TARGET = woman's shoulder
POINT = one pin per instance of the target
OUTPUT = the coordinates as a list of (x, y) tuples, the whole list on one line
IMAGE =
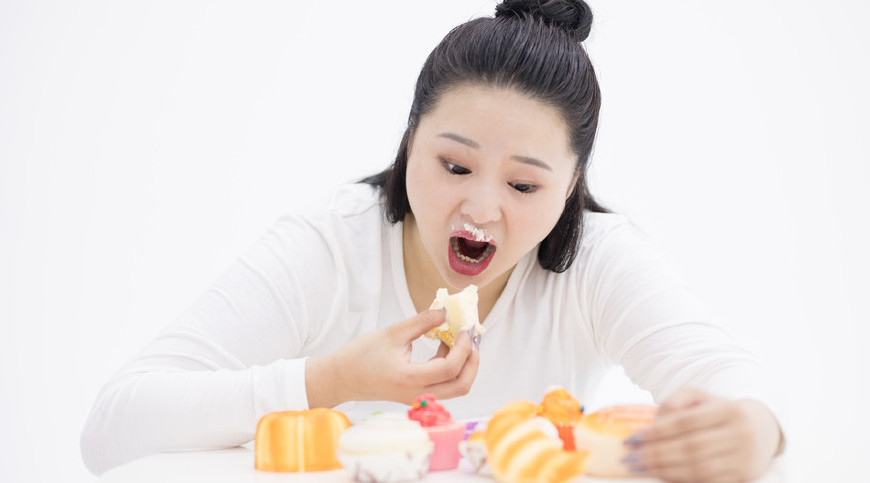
[(343, 201), (610, 238)]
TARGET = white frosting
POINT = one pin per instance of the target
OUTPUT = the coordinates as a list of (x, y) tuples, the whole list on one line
[(479, 234), (385, 448), (385, 433)]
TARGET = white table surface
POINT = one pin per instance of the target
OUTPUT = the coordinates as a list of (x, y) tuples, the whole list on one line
[(236, 465)]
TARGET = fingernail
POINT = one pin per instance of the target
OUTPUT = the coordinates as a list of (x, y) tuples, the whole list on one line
[(475, 339), (635, 439), (633, 462), (632, 458)]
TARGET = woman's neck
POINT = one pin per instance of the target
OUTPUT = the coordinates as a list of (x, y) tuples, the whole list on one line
[(423, 278)]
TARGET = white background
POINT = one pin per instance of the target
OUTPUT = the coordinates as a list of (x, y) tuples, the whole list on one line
[(145, 145)]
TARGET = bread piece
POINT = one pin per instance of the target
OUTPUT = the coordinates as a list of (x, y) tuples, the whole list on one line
[(603, 433), (461, 315)]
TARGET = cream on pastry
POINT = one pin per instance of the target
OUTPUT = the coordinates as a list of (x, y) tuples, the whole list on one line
[(461, 315)]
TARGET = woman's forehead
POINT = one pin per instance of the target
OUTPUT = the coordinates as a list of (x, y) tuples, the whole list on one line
[(487, 116)]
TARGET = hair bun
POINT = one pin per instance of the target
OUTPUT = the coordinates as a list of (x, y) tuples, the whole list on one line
[(572, 16)]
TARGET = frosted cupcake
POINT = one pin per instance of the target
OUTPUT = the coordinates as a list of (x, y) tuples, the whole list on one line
[(385, 448), (444, 432)]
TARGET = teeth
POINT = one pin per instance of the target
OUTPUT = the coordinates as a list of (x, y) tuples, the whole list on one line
[(454, 242)]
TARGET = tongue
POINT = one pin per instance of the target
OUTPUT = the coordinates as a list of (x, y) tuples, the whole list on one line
[(471, 248)]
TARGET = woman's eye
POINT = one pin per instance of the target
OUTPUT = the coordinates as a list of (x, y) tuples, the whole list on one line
[(524, 187), (455, 168)]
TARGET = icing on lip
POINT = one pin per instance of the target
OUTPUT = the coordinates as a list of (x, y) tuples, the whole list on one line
[(479, 235), (470, 251)]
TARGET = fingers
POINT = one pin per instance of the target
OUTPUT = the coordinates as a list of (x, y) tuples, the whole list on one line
[(699, 417), (443, 349), (447, 376), (709, 439), (680, 452), (682, 399), (461, 384), (409, 330)]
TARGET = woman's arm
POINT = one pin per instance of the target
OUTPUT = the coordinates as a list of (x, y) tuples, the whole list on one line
[(206, 379), (647, 321), (238, 353)]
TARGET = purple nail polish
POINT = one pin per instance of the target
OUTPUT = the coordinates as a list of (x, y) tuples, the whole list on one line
[(632, 458), (635, 439)]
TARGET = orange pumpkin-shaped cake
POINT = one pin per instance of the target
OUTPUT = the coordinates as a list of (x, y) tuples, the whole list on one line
[(293, 441), (519, 449)]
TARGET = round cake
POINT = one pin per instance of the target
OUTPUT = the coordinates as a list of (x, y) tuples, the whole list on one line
[(385, 448), (603, 434)]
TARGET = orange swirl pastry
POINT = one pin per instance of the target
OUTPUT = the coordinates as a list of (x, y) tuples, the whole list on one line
[(520, 451)]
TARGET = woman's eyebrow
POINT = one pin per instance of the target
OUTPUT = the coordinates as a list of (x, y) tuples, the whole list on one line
[(532, 161), (460, 139), (474, 145)]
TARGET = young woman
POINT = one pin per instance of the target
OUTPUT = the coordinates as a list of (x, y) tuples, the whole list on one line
[(328, 308)]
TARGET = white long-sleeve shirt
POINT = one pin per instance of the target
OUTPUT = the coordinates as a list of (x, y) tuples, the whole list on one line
[(316, 281)]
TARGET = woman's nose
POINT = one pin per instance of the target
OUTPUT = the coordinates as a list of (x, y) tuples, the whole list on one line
[(482, 204)]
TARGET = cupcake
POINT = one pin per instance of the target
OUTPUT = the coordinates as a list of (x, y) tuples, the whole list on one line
[(385, 448), (564, 411), (444, 432)]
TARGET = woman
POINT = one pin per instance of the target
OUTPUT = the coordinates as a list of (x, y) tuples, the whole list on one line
[(328, 309)]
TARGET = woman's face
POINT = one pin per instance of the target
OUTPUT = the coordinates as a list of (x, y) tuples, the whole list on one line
[(488, 174)]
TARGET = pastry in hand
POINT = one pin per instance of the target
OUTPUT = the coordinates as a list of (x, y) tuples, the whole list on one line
[(460, 315)]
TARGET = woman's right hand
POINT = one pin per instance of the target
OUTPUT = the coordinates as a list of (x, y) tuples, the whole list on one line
[(377, 366)]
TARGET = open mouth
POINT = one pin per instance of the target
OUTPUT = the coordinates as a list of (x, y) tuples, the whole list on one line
[(470, 254), (471, 251)]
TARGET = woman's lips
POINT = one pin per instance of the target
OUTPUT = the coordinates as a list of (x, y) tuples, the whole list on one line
[(464, 264)]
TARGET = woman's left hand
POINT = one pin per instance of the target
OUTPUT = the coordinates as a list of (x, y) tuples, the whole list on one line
[(700, 437)]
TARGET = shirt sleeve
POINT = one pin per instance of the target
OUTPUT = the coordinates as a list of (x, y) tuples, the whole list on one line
[(647, 320), (233, 356)]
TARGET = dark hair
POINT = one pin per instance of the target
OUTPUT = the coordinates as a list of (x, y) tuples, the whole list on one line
[(534, 47)]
